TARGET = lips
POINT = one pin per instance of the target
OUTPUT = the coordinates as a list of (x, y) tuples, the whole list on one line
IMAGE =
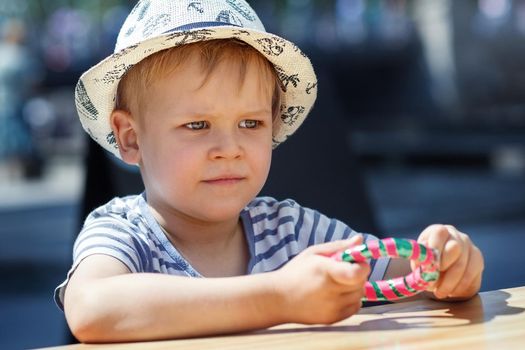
[(225, 179)]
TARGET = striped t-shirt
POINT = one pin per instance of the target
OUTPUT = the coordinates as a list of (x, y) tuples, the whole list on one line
[(276, 231)]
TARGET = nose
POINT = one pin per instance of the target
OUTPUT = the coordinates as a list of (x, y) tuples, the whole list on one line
[(226, 145)]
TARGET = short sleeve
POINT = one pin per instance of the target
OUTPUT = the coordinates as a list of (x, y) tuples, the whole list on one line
[(108, 234)]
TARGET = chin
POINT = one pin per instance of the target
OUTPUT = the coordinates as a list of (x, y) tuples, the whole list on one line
[(222, 211)]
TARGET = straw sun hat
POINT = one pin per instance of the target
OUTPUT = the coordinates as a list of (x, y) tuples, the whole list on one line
[(155, 25)]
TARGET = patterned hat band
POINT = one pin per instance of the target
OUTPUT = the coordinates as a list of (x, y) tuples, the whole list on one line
[(156, 25), (199, 25)]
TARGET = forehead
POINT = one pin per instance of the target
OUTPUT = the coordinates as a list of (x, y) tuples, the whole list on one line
[(229, 59), (189, 89)]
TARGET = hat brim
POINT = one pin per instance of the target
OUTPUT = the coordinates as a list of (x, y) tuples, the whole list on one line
[(95, 93)]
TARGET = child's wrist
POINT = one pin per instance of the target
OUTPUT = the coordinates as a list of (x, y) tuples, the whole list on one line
[(276, 301)]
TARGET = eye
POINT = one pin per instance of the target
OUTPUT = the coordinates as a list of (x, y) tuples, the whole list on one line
[(197, 125), (249, 123)]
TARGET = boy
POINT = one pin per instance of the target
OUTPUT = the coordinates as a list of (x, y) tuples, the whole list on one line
[(191, 97)]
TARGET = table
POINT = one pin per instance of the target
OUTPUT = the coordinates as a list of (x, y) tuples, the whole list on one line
[(491, 320)]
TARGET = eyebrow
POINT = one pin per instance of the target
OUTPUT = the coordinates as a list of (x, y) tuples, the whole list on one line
[(259, 112), (263, 111)]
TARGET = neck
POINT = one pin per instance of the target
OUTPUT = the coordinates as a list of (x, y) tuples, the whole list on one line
[(217, 249), (186, 232)]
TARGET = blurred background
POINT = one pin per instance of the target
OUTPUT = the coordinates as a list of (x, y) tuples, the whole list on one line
[(420, 119)]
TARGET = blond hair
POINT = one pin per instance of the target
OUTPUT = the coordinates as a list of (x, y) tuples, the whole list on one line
[(143, 74)]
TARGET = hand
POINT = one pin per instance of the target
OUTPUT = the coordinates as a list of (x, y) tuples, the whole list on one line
[(461, 262), (317, 289)]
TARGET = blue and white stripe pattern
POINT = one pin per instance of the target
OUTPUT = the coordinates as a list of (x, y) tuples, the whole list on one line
[(275, 231)]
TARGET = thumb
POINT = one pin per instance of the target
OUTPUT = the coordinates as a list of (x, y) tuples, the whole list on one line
[(330, 248), (351, 275)]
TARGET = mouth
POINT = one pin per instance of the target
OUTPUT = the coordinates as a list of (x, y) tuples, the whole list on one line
[(225, 180)]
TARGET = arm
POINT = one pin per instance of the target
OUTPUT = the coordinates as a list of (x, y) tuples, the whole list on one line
[(461, 264), (106, 303)]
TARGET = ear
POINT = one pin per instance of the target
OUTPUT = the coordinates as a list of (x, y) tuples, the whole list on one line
[(125, 130)]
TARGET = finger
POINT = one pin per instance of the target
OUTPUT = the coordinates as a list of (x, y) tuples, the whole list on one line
[(330, 248), (471, 280), (349, 311), (340, 313), (434, 236), (350, 308), (454, 247), (448, 278), (468, 293), (474, 288), (352, 276), (450, 254), (457, 251), (354, 297)]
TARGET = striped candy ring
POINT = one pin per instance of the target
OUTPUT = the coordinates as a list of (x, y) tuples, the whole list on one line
[(399, 287)]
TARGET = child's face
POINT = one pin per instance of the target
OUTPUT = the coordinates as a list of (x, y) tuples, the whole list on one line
[(205, 150)]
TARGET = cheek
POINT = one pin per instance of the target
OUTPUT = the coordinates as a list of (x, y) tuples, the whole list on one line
[(176, 177), (263, 158), (182, 161), (174, 162)]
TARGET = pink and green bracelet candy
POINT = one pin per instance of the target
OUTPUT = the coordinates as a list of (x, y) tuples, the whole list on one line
[(418, 280)]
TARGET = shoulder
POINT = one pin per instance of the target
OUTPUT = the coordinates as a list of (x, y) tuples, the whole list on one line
[(268, 214), (122, 218), (268, 206), (118, 228), (116, 206), (308, 225), (122, 209)]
